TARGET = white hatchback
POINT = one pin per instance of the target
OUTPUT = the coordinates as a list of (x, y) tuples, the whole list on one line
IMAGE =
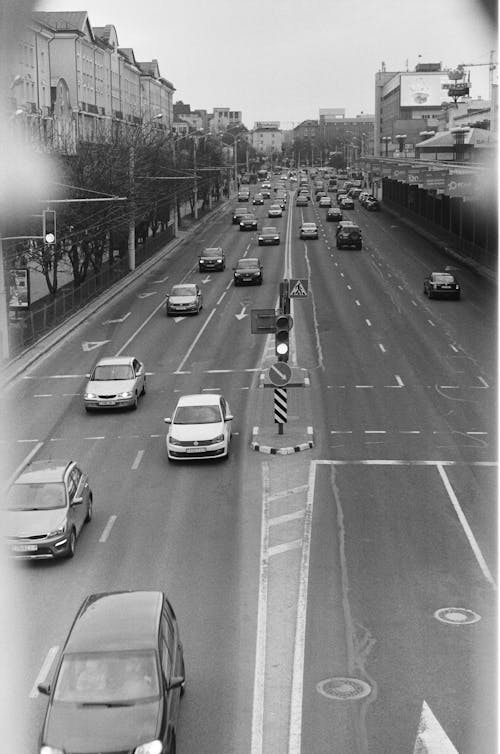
[(200, 427)]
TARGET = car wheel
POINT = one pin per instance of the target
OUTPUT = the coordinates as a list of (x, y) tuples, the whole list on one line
[(88, 517), (260, 281), (260, 243), (429, 293), (71, 544), (457, 297), (134, 404), (338, 246), (172, 748), (200, 269), (143, 392), (183, 673), (88, 409)]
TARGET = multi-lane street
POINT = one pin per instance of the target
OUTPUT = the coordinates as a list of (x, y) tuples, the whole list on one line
[(342, 598)]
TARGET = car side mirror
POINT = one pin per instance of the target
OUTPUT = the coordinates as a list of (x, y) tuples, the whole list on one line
[(77, 501), (87, 376), (176, 682), (44, 688), (167, 420), (229, 417)]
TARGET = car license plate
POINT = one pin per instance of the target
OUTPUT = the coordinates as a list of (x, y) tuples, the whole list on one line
[(24, 548), (197, 449), (107, 403), (445, 287)]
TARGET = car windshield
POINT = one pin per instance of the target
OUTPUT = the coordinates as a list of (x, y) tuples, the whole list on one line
[(269, 230), (211, 252), (107, 678), (248, 217), (112, 372), (275, 206), (442, 277), (247, 264), (36, 497), (182, 290), (197, 415)]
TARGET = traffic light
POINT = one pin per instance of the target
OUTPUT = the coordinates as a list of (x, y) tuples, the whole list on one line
[(283, 323), (49, 226)]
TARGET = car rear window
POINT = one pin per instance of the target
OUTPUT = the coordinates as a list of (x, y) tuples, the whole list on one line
[(443, 277)]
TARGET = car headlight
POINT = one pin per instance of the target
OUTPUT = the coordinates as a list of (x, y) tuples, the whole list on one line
[(50, 750), (219, 438), (90, 396), (127, 394), (56, 532), (219, 261), (152, 747), (173, 439)]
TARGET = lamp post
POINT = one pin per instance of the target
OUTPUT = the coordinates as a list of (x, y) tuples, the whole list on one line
[(235, 156), (386, 140), (401, 142)]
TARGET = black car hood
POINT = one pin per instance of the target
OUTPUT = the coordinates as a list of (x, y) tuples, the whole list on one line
[(72, 727)]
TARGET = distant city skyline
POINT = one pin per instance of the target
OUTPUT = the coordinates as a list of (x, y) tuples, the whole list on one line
[(283, 62)]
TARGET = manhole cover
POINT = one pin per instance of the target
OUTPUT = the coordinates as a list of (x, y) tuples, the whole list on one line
[(343, 689), (457, 616)]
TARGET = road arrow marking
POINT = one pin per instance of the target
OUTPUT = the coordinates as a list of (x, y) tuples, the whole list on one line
[(161, 281), (431, 738), (207, 279), (241, 314), (90, 345), (147, 295), (116, 321)]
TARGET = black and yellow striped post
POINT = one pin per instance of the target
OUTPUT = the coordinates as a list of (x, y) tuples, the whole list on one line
[(280, 408)]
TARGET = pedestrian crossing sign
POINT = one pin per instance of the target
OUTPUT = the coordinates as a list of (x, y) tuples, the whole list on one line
[(299, 287)]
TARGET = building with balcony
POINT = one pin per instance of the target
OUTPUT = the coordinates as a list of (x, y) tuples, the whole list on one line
[(223, 118)]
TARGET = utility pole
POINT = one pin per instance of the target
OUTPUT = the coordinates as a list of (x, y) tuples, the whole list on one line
[(4, 322), (131, 209), (195, 188)]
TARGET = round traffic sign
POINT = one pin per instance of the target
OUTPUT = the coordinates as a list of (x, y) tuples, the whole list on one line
[(280, 373)]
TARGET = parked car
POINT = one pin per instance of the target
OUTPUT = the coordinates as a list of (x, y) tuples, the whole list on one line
[(334, 214), (248, 222), (269, 235), (115, 382), (119, 678), (200, 427), (348, 234), (308, 230), (45, 508), (441, 285), (184, 298), (212, 258), (372, 204)]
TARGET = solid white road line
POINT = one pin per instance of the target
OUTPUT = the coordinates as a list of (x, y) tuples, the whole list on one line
[(24, 463), (195, 341), (260, 651), (141, 327), (465, 525), (295, 731)]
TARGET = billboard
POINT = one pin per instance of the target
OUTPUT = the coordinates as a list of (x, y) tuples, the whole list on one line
[(19, 289), (422, 89)]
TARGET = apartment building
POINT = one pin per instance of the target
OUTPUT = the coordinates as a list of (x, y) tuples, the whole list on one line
[(72, 82)]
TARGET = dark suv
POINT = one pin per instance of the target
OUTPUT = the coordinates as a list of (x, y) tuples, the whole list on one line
[(118, 681), (348, 235), (47, 506)]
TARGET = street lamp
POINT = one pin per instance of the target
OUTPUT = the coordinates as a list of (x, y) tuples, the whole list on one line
[(386, 140), (235, 156), (401, 141)]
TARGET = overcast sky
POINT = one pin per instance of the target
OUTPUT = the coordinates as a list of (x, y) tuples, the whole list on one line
[(284, 59)]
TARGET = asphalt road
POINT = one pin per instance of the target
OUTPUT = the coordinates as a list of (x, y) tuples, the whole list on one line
[(307, 586)]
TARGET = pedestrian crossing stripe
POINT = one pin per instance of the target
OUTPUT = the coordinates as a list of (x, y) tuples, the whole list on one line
[(298, 289)]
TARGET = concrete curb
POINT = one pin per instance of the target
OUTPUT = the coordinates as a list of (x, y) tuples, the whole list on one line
[(17, 365), (283, 451)]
